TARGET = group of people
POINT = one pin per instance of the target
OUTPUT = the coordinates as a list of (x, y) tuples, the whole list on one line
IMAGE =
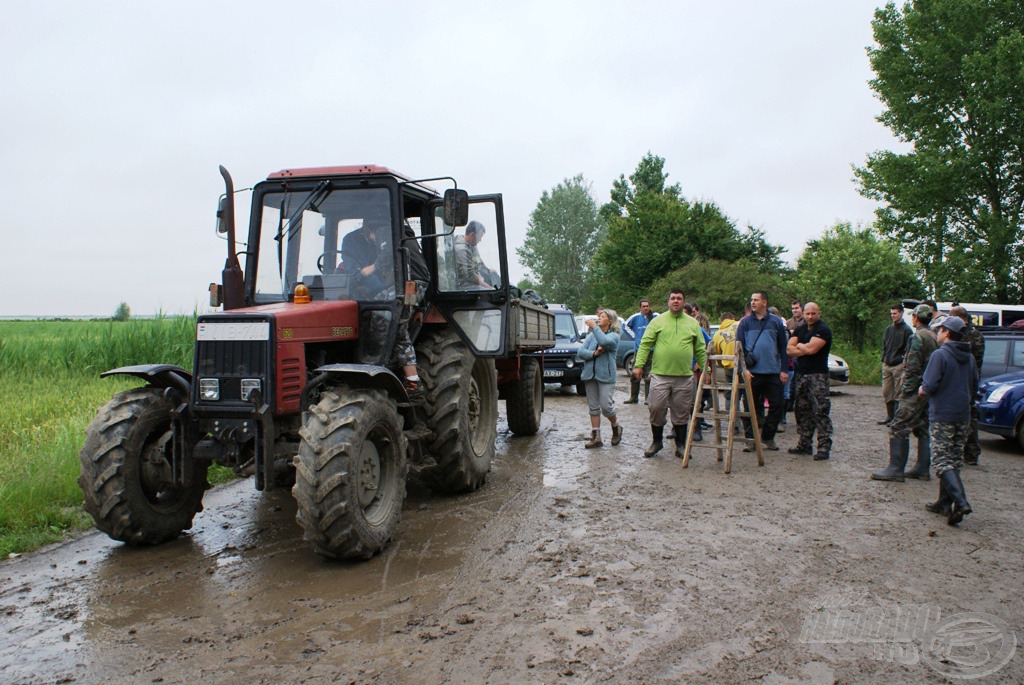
[(930, 378)]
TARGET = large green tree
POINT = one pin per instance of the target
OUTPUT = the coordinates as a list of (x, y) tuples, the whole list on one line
[(653, 230), (950, 74), (563, 232), (854, 275)]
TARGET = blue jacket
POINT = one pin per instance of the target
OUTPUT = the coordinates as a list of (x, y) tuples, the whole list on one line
[(770, 354), (602, 367), (951, 378), (638, 324)]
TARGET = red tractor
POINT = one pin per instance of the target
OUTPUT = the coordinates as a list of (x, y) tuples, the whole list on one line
[(297, 380)]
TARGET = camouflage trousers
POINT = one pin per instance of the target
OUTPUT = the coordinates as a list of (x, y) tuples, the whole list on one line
[(972, 450), (405, 353), (812, 407), (911, 417), (948, 438)]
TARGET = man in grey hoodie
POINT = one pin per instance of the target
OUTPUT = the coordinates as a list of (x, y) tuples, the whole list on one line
[(950, 381)]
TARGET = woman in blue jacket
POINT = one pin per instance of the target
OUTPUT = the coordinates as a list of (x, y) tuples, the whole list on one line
[(598, 356)]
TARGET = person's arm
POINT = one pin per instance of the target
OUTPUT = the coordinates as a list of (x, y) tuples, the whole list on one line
[(793, 347), (811, 347), (587, 349), (608, 341), (700, 349), (646, 343), (782, 339), (932, 376), (630, 322)]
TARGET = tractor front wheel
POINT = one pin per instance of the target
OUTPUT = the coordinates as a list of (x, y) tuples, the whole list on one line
[(126, 476), (350, 473)]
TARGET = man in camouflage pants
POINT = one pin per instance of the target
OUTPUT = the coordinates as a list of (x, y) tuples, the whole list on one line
[(912, 412), (973, 337), (809, 347), (950, 381)]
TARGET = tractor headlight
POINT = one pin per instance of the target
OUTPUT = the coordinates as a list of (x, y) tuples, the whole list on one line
[(209, 389), (998, 393), (248, 385)]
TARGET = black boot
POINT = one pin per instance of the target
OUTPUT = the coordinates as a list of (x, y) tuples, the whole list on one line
[(680, 440), (890, 412), (941, 505), (899, 450), (924, 459), (647, 389), (634, 391), (960, 507), (656, 444)]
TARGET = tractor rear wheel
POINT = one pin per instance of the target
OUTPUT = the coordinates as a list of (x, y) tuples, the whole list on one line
[(462, 411), (525, 400), (350, 473), (126, 471)]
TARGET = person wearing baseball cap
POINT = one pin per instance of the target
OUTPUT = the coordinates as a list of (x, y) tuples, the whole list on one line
[(950, 381), (912, 412)]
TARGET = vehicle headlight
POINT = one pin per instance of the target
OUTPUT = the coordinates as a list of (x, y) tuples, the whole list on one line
[(248, 385), (570, 363), (998, 393), (209, 389)]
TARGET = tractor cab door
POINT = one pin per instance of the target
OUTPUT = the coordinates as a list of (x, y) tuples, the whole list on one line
[(470, 275)]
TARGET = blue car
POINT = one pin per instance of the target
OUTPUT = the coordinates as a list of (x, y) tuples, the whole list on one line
[(1001, 406)]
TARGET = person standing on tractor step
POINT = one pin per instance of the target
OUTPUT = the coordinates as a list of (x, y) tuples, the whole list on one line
[(895, 344), (418, 275), (912, 412), (764, 339), (470, 269), (677, 339), (810, 346), (973, 337), (598, 356), (637, 324), (950, 381)]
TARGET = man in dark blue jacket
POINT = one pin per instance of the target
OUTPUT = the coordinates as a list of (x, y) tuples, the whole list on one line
[(764, 338), (950, 381)]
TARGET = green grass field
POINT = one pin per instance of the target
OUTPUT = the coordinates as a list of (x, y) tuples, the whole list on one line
[(49, 392)]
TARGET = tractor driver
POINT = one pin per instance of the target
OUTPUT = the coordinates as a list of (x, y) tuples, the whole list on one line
[(470, 269), (367, 258)]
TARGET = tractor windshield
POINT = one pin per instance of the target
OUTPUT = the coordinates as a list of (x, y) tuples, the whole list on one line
[(336, 242)]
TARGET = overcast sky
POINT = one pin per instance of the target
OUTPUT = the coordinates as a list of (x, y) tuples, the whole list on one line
[(115, 116)]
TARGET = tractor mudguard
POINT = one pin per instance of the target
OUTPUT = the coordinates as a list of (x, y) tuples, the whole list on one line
[(358, 376), (157, 375)]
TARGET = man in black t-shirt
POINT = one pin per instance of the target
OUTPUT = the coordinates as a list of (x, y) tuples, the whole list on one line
[(809, 347)]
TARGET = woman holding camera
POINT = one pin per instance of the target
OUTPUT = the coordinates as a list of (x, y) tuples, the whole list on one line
[(598, 357)]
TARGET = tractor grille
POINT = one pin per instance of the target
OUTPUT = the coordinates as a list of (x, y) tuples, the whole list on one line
[(231, 358)]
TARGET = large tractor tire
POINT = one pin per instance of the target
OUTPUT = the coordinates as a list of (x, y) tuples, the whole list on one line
[(524, 402), (126, 473), (462, 411), (350, 473)]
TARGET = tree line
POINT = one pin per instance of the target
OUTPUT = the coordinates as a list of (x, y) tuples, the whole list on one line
[(950, 74)]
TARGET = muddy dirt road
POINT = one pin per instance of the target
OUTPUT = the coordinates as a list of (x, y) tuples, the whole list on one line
[(570, 565)]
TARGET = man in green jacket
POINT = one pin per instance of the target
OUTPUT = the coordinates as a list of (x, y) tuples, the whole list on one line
[(679, 340)]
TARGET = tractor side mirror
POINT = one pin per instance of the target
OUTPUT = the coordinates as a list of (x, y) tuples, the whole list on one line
[(456, 207), (222, 226)]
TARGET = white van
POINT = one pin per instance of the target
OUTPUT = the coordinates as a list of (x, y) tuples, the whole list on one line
[(983, 314)]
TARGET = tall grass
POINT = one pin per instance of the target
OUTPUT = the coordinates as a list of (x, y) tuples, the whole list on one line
[(49, 392), (865, 366)]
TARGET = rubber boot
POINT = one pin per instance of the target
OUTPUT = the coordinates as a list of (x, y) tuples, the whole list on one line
[(634, 391), (921, 470), (960, 507), (595, 439), (890, 412), (941, 505), (680, 440), (647, 389), (899, 450), (656, 444)]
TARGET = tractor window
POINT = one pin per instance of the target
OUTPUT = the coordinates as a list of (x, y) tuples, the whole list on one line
[(469, 258), (336, 242)]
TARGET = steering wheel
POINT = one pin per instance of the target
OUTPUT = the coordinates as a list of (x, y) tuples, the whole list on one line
[(320, 259)]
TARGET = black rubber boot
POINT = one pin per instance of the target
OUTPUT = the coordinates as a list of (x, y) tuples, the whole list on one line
[(647, 389), (634, 391), (960, 507), (941, 505), (656, 443), (890, 412), (680, 440), (924, 459), (899, 450)]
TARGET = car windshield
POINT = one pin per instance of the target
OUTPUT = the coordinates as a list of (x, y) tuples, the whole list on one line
[(335, 242), (563, 327)]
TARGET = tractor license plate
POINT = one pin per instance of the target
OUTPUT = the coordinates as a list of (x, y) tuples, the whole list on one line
[(554, 373)]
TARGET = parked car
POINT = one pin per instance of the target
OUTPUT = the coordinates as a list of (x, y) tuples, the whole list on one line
[(1004, 351), (1001, 406), (560, 365)]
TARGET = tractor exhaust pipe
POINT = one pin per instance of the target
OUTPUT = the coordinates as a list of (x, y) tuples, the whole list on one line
[(234, 287)]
